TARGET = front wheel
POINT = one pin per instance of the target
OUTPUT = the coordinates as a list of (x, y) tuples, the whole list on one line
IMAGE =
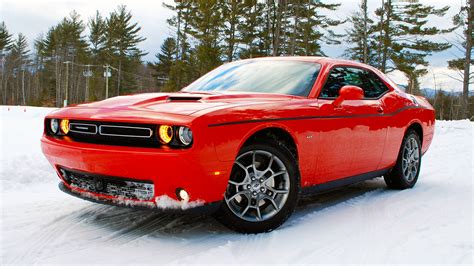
[(405, 173), (263, 188)]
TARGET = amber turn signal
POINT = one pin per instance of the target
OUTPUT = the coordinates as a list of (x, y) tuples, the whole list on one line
[(166, 133), (64, 126)]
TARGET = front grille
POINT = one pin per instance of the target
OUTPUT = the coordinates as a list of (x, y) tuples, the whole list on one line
[(83, 128), (111, 133), (112, 186), (125, 131)]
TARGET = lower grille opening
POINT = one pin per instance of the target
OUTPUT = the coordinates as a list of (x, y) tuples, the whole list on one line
[(112, 186)]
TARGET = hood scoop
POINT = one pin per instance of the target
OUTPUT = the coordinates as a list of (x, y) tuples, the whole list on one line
[(183, 98)]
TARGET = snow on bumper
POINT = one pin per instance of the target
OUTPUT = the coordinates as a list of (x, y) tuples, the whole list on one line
[(168, 170), (161, 203)]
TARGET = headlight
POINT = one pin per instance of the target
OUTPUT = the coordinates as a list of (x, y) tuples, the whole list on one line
[(64, 126), (54, 126), (166, 133), (185, 135)]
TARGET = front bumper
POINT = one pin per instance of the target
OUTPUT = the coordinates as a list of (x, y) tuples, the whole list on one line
[(197, 170), (208, 208)]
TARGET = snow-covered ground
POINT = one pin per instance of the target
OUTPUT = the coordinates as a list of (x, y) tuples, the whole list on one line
[(364, 223)]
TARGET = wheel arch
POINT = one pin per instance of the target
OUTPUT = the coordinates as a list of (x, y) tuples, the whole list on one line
[(417, 127), (277, 132)]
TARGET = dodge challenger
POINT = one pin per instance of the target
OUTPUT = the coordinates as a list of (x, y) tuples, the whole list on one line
[(243, 141)]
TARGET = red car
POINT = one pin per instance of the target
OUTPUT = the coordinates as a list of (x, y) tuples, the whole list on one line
[(244, 140)]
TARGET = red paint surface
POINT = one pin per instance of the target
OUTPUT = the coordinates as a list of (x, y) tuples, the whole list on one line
[(355, 137)]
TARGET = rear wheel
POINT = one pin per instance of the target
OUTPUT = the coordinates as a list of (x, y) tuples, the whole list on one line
[(405, 173), (263, 189)]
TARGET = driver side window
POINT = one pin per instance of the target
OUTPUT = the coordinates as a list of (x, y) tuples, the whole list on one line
[(341, 76)]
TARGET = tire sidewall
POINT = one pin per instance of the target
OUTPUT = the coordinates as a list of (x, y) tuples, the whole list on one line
[(238, 224), (404, 182)]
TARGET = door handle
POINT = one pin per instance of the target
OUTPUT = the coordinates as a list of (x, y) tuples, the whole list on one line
[(380, 109)]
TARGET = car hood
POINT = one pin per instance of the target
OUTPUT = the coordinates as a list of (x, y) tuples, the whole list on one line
[(184, 103)]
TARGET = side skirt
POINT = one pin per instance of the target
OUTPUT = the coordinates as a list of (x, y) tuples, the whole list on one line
[(324, 187)]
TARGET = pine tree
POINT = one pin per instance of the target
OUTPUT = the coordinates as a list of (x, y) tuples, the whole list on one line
[(464, 20), (123, 37), (279, 11), (97, 47), (166, 58), (315, 28), (180, 22), (206, 27), (19, 50), (5, 45), (252, 33), (181, 72), (5, 38), (403, 33), (19, 58), (97, 40), (361, 36), (232, 10), (65, 42)]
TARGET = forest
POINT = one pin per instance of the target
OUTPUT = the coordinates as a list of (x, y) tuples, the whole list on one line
[(81, 60)]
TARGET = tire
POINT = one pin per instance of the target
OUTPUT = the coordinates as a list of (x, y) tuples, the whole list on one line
[(248, 206), (405, 172)]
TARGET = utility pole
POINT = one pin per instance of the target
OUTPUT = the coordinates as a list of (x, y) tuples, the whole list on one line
[(87, 74), (67, 83), (468, 60), (23, 84), (107, 74)]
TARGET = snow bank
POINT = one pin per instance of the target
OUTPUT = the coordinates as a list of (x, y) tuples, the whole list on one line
[(21, 160), (365, 223)]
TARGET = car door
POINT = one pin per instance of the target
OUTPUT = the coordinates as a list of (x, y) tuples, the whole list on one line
[(352, 137)]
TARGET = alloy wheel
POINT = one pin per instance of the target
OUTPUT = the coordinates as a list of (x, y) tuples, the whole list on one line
[(410, 159), (258, 187)]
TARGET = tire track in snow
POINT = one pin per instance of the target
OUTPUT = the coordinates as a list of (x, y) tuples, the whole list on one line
[(48, 236)]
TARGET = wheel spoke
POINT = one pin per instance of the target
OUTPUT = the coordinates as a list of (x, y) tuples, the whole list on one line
[(259, 215), (277, 191), (235, 195), (405, 165), (245, 210), (253, 162), (236, 183), (246, 178), (274, 175), (272, 201), (241, 166), (269, 163)]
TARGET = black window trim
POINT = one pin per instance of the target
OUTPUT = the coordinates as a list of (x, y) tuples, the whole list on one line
[(359, 67)]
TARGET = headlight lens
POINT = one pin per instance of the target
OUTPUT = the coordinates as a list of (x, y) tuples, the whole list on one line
[(185, 135), (54, 126), (65, 126), (166, 133)]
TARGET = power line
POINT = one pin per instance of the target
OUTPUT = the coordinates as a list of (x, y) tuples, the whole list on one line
[(114, 68)]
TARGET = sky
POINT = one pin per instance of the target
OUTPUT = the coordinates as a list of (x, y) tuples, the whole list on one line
[(33, 17)]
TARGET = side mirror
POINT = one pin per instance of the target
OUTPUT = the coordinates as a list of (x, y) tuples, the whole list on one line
[(348, 92)]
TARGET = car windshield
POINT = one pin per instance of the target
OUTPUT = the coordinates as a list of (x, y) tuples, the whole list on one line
[(262, 76)]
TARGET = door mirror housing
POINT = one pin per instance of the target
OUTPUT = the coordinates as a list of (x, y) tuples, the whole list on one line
[(348, 92)]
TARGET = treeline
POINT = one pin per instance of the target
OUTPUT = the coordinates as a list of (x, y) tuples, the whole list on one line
[(395, 36), (448, 105), (67, 64)]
